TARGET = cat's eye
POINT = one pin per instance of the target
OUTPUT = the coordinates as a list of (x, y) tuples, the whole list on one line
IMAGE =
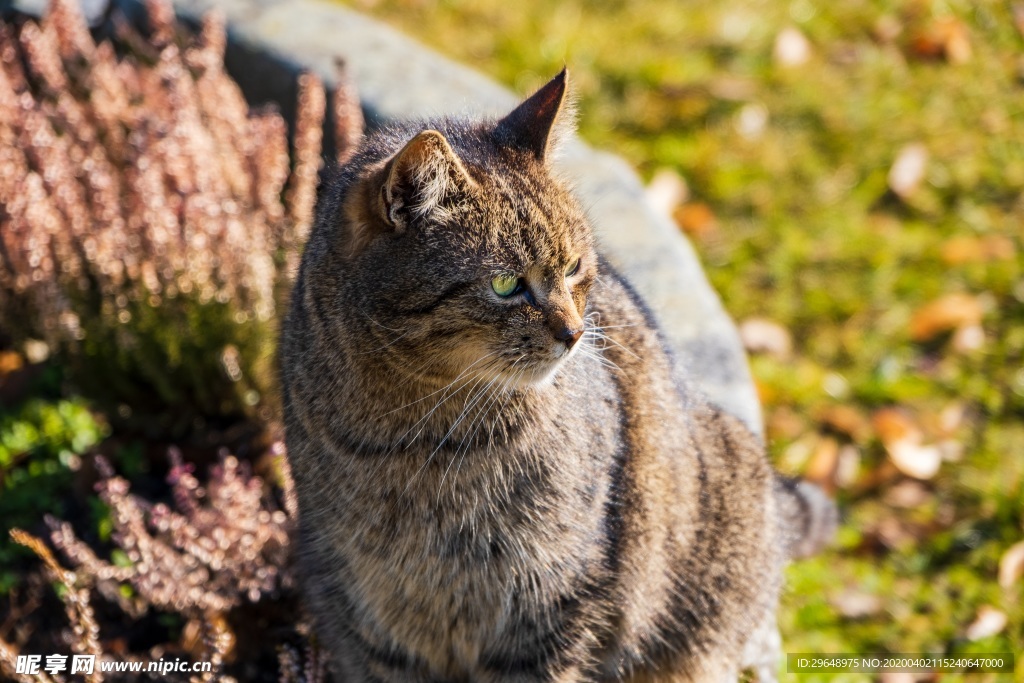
[(572, 268), (505, 285)]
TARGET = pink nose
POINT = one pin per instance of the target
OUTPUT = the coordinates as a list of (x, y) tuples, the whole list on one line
[(568, 335)]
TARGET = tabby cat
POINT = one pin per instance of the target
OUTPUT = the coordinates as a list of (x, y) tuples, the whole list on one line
[(500, 475)]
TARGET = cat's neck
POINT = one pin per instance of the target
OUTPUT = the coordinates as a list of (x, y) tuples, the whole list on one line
[(396, 408)]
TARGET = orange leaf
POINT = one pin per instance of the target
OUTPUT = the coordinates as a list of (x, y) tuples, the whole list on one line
[(944, 314), (972, 249), (697, 219), (902, 439), (9, 362), (946, 38), (847, 420), (823, 464)]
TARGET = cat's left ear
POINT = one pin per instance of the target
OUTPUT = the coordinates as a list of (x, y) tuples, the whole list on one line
[(543, 122)]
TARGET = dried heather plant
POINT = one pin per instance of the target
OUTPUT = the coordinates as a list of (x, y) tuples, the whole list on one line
[(84, 637), (8, 666), (223, 544), (142, 229), (309, 666)]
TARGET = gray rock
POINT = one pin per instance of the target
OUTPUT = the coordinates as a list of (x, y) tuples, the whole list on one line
[(93, 10)]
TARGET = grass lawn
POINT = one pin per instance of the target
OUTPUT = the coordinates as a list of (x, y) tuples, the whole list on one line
[(900, 285)]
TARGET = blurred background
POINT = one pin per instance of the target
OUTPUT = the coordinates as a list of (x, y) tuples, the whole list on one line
[(852, 175)]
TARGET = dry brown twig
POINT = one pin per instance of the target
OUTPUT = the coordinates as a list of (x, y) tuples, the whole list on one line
[(75, 596)]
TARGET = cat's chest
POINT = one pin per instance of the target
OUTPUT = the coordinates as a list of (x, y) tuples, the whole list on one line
[(469, 561)]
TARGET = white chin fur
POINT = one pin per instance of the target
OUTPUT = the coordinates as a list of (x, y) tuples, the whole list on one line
[(541, 376)]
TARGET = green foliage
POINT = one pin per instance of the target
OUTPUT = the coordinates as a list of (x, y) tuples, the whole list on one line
[(40, 445), (173, 366), (810, 235)]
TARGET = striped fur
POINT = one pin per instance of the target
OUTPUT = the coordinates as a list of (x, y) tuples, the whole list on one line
[(478, 502)]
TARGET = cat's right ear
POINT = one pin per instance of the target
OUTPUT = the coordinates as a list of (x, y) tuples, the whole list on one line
[(421, 180)]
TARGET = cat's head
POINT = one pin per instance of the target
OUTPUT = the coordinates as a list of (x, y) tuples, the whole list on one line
[(467, 256)]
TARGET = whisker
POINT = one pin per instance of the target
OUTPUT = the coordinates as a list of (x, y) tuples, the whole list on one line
[(460, 375), (381, 348), (613, 341), (467, 441)]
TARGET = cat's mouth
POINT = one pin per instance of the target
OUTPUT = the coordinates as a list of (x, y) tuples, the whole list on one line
[(542, 370)]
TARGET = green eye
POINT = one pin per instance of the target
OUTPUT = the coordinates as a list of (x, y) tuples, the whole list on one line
[(505, 285), (572, 268)]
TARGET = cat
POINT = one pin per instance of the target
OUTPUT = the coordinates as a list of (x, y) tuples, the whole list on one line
[(500, 475)]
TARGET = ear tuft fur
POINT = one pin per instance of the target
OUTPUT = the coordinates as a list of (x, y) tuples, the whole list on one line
[(421, 179)]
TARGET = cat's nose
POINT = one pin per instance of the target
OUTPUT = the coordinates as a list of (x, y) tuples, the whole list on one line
[(568, 335)]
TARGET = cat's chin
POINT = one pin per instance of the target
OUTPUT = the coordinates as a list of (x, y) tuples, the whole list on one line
[(542, 373), (538, 377)]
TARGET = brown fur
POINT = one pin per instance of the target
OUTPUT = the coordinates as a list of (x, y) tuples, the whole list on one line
[(476, 502)]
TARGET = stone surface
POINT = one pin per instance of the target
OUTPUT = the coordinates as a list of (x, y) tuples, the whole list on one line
[(271, 40)]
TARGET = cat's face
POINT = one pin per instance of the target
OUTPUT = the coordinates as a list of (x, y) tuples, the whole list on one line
[(476, 262)]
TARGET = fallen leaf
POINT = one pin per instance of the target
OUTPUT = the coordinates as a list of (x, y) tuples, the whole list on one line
[(987, 623), (900, 677), (968, 338), (944, 314), (846, 419), (973, 249), (854, 604), (944, 38), (761, 335), (666, 191), (908, 170), (907, 495), (956, 40), (9, 362), (848, 470), (696, 219), (791, 47), (999, 248), (894, 533), (951, 418), (887, 28), (892, 424), (1011, 565), (903, 442), (914, 460), (751, 121), (962, 249), (732, 88), (821, 468)]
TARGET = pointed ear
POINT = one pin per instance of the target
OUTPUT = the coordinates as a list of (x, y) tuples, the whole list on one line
[(542, 122), (423, 178)]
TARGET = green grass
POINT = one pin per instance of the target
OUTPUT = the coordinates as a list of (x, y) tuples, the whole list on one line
[(809, 235)]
